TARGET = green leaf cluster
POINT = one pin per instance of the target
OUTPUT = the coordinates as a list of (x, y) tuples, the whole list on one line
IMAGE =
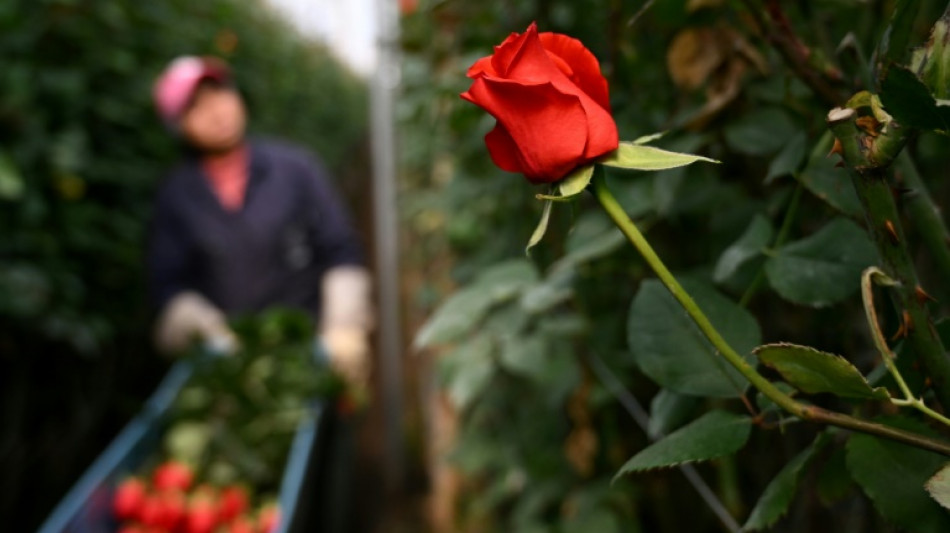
[(770, 244)]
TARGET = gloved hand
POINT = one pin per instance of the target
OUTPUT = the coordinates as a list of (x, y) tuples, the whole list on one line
[(346, 321), (189, 316), (348, 348)]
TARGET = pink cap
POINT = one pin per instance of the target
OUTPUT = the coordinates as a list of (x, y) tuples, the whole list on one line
[(173, 89)]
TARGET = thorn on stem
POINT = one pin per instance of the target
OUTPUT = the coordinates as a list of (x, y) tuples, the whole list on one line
[(892, 232), (907, 325), (922, 296), (903, 192), (836, 148)]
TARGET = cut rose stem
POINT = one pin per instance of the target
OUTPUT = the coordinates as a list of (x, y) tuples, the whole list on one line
[(805, 412)]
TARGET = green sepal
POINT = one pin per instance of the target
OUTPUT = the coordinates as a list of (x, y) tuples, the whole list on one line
[(542, 227), (632, 156)]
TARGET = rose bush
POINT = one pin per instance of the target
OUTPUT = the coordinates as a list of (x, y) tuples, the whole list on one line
[(547, 334), (551, 103)]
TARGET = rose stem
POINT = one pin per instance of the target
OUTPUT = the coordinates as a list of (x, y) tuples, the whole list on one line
[(786, 402)]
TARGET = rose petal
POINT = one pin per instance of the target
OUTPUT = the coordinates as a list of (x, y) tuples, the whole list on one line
[(602, 135), (551, 103), (528, 62), (547, 127), (503, 150), (481, 67), (484, 65), (584, 65), (524, 60)]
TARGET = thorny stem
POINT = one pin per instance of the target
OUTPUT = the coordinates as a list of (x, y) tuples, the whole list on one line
[(786, 402), (878, 155), (871, 275), (923, 213), (867, 158)]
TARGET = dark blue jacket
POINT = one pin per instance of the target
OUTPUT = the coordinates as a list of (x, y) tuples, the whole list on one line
[(292, 228)]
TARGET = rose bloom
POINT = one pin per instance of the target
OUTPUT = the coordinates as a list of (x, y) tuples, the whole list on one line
[(550, 100)]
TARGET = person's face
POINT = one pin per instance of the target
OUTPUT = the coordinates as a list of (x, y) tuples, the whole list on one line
[(215, 119)]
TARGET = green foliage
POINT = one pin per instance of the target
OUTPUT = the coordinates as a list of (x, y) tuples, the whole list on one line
[(893, 476), (813, 371), (931, 61), (671, 350), (823, 268), (669, 410), (771, 244), (748, 247), (910, 102), (236, 417), (715, 434), (762, 132), (459, 315), (780, 492)]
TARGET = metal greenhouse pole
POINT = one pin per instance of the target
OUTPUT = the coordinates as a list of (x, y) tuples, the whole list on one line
[(386, 223)]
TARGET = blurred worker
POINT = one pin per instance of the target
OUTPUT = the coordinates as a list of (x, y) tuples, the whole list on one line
[(243, 224)]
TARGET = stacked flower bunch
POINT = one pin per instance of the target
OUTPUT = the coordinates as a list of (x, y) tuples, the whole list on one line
[(229, 431), (169, 501)]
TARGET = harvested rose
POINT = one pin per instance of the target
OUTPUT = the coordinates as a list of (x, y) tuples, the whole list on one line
[(268, 518), (129, 498), (172, 475), (202, 515), (232, 501), (152, 511), (173, 504), (242, 524)]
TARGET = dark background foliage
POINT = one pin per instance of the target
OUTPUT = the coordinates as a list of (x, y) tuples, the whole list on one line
[(705, 72), (81, 152)]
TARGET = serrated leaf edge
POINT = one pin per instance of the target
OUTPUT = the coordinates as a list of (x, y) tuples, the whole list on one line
[(877, 393)]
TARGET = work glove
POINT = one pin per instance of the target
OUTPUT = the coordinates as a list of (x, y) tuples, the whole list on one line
[(188, 317), (345, 323)]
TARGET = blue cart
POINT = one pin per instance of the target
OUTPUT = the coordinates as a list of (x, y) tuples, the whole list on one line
[(87, 507)]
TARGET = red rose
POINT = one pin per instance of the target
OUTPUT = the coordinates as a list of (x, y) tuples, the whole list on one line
[(232, 502), (269, 518), (242, 524), (202, 513), (129, 498), (550, 100), (172, 475), (173, 503)]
